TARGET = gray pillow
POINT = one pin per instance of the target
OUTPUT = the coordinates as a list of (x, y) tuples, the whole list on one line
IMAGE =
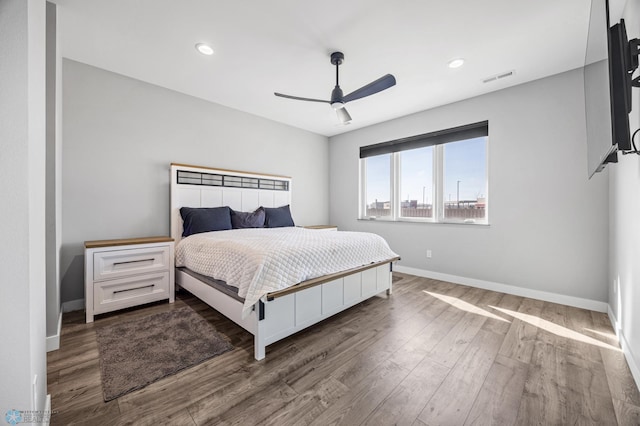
[(205, 219), (254, 219), (278, 217)]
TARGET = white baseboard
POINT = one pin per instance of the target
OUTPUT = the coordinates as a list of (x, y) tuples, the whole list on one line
[(53, 342), (626, 348), (614, 320), (578, 302), (73, 305)]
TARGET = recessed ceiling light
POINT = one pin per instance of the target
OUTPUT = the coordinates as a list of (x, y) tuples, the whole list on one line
[(456, 63), (204, 48)]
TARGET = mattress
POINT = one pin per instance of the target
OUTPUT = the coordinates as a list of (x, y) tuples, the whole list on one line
[(219, 285), (260, 261)]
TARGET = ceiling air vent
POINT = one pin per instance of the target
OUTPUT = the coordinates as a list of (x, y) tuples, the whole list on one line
[(499, 76)]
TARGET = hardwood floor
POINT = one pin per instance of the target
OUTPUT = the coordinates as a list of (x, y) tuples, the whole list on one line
[(432, 353)]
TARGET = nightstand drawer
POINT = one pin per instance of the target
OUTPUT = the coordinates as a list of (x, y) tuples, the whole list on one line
[(127, 292), (122, 263)]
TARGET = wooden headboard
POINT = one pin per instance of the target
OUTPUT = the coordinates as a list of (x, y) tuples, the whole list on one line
[(196, 186)]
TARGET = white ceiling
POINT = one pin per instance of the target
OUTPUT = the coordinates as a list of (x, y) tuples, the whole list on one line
[(284, 46)]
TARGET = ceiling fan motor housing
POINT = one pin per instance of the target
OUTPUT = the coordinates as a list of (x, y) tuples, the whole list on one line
[(336, 98)]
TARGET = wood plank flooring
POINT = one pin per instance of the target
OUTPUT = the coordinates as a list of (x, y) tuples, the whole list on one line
[(433, 353)]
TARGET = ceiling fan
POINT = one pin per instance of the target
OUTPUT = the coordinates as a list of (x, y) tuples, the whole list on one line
[(338, 100)]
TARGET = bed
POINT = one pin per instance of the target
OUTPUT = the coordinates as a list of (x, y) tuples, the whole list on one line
[(284, 294)]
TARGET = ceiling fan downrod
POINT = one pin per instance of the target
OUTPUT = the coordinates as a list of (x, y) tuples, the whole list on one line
[(336, 94)]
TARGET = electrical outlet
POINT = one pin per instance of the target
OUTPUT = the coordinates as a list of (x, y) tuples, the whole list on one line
[(428, 254)]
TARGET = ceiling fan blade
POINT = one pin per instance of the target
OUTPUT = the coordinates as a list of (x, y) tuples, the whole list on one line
[(300, 99), (372, 88), (343, 115)]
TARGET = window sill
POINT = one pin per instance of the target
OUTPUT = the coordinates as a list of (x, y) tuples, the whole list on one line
[(429, 222)]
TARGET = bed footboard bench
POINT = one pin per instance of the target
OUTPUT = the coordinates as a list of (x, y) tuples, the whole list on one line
[(288, 311)]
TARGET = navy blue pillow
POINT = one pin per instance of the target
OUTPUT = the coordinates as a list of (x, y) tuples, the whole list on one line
[(205, 219), (241, 220), (278, 217)]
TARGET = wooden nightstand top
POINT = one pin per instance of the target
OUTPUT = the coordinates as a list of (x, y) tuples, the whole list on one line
[(320, 227), (126, 242)]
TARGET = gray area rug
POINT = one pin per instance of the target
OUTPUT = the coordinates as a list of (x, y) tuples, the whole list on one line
[(136, 353)]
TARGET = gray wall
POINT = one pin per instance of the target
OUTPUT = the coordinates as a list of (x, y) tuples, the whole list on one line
[(624, 279), (121, 134), (548, 223), (22, 191)]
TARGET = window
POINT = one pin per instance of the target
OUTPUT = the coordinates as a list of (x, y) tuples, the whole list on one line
[(465, 179), (436, 177), (378, 186), (416, 182)]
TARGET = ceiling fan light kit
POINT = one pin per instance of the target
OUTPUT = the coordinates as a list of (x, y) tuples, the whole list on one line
[(338, 99), (343, 115)]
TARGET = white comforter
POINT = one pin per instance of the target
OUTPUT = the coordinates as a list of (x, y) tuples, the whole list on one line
[(259, 261)]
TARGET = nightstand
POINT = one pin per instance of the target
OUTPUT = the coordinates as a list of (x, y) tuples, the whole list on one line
[(127, 272), (322, 227)]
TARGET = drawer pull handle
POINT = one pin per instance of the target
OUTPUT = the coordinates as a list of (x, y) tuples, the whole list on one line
[(132, 261), (131, 289)]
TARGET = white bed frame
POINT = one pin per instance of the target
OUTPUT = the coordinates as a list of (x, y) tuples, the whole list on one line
[(287, 311)]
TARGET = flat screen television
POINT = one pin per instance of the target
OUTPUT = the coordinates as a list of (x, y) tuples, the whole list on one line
[(620, 86), (607, 84)]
